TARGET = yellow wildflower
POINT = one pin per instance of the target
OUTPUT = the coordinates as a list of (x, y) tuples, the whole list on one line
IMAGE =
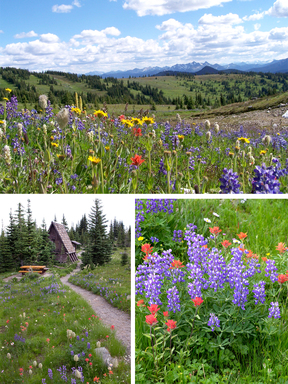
[(140, 238), (244, 140), (100, 114), (127, 123), (107, 148), (94, 160), (136, 120), (5, 98), (262, 152), (181, 137), (55, 145), (8, 90), (148, 120), (76, 110)]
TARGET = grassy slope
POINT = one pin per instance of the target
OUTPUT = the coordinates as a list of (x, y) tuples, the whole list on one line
[(48, 315)]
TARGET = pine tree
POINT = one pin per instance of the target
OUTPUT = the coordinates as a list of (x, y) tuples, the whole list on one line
[(12, 238), (64, 222), (46, 253), (6, 260), (99, 246), (121, 235)]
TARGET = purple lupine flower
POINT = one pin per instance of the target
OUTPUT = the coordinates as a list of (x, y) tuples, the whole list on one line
[(265, 180), (213, 321), (173, 299), (274, 310), (50, 373), (88, 345), (271, 270), (229, 182), (154, 239), (259, 292)]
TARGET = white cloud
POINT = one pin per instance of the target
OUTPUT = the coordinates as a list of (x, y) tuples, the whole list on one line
[(279, 9), (49, 38), (22, 35), (256, 16), (165, 7), (257, 26), (76, 3), (230, 18), (62, 8), (105, 50)]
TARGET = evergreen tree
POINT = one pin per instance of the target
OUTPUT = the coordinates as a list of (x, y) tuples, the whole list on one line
[(64, 222), (6, 260), (121, 235), (12, 238), (46, 250), (99, 246)]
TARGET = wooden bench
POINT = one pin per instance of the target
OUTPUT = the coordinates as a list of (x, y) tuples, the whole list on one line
[(33, 269)]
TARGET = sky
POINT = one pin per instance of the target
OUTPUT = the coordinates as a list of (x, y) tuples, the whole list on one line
[(80, 36), (72, 206)]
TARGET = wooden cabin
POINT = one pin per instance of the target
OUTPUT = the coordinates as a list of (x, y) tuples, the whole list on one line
[(63, 245), (76, 244)]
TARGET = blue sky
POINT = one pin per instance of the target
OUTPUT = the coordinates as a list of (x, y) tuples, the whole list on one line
[(84, 35)]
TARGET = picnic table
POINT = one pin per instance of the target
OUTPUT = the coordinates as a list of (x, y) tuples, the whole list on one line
[(33, 268)]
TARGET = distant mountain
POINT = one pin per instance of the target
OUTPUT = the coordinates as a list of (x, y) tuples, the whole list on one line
[(194, 67), (274, 67)]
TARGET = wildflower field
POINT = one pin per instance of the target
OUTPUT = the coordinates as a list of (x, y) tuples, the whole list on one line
[(211, 291), (75, 152), (112, 281), (48, 334)]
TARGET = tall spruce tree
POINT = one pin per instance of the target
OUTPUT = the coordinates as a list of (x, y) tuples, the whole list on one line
[(99, 246), (6, 260)]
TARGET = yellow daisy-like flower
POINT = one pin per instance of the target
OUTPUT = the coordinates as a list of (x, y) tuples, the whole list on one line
[(8, 90), (140, 238), (148, 120), (5, 98), (76, 110), (1, 122), (278, 133), (100, 114), (94, 160), (263, 152), (127, 123), (181, 137), (244, 140), (55, 145), (136, 120), (107, 148)]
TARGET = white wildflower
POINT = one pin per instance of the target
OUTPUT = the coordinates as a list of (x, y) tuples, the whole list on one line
[(207, 220), (43, 101), (62, 117)]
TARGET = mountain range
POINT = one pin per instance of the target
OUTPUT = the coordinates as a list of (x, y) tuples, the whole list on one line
[(194, 67)]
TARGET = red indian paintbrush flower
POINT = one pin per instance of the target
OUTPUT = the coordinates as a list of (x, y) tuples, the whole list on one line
[(140, 303), (282, 278), (165, 314), (226, 243), (177, 264), (197, 301), (136, 160), (153, 309), (215, 230), (281, 247), (242, 235), (137, 132), (171, 324), (147, 249), (151, 320)]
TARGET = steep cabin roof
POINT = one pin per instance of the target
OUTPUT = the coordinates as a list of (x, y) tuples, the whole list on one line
[(65, 240)]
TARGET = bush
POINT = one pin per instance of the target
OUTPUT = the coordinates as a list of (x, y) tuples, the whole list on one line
[(124, 258)]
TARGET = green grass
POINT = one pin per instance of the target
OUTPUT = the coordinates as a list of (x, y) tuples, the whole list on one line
[(40, 316), (112, 281), (256, 351)]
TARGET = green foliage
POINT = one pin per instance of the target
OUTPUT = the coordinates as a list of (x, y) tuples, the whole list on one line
[(124, 258)]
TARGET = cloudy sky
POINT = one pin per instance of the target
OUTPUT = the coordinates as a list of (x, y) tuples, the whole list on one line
[(72, 206), (85, 35)]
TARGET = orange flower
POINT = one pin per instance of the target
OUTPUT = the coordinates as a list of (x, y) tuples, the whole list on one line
[(171, 324), (242, 235), (264, 258), (136, 160), (177, 264), (151, 320), (96, 379), (137, 132), (281, 247), (197, 301), (226, 243), (165, 314), (282, 278), (215, 230), (140, 303), (153, 309), (147, 249)]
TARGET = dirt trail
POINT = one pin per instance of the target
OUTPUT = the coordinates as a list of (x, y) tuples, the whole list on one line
[(108, 314)]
